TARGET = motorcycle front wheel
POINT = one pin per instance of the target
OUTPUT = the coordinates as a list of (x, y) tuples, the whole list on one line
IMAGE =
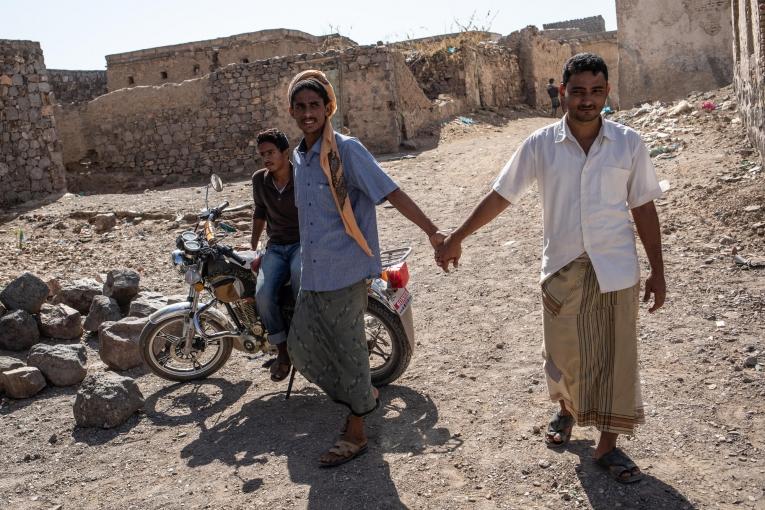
[(389, 349), (162, 348)]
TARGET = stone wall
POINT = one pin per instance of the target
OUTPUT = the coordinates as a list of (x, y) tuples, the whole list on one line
[(539, 59), (749, 57), (30, 153), (175, 133), (606, 45), (592, 24), (435, 87), (668, 48), (77, 86), (173, 64)]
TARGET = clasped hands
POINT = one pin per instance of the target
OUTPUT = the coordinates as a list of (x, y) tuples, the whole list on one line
[(447, 249)]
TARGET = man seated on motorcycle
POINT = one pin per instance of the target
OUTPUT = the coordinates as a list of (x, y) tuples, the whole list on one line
[(274, 209)]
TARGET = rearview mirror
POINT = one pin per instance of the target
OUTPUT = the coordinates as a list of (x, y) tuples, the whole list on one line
[(216, 183)]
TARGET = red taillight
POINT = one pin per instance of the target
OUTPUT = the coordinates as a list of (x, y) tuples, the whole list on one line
[(397, 276)]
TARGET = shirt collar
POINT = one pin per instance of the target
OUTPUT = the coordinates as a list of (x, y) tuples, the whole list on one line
[(308, 155), (562, 130), (269, 175)]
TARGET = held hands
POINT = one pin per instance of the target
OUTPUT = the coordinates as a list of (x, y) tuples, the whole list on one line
[(446, 250), (655, 285)]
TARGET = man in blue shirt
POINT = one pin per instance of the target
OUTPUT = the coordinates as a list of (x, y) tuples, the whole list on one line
[(338, 183)]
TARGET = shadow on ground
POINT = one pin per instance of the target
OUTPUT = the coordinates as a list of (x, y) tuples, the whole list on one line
[(604, 493), (301, 429)]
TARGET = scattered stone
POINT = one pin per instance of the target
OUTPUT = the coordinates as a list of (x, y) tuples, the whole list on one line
[(23, 382), (102, 309), (752, 208), (7, 363), (79, 294), (54, 287), (727, 241), (53, 439), (122, 285), (18, 331), (544, 463), (118, 342), (104, 222), (27, 292), (106, 400), (146, 303), (681, 108), (60, 321), (749, 362), (62, 365)]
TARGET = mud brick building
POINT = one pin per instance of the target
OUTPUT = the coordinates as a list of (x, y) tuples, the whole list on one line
[(749, 70)]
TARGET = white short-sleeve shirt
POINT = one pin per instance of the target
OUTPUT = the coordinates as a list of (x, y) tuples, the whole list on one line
[(586, 198)]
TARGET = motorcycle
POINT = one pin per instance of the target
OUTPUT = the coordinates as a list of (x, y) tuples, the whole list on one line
[(194, 339)]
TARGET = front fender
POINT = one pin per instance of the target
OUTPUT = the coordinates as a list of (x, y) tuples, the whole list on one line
[(183, 309)]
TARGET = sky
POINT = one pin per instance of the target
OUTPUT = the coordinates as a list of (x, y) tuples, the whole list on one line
[(77, 34)]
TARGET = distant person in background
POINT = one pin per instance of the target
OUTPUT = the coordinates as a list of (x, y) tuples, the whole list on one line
[(552, 91)]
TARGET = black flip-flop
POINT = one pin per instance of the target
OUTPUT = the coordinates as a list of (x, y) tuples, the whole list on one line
[(559, 424), (618, 463)]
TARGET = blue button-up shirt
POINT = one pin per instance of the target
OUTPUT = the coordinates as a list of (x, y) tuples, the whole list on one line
[(332, 259)]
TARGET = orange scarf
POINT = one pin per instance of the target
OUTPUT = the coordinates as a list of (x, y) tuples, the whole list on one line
[(330, 160)]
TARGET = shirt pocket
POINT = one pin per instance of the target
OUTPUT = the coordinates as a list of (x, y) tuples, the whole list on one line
[(613, 186), (324, 199)]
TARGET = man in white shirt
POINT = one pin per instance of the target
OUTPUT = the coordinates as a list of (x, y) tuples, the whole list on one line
[(591, 173)]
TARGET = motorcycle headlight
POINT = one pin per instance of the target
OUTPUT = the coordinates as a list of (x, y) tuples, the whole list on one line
[(177, 257), (192, 276)]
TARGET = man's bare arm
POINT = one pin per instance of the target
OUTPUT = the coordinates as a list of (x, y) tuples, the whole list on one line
[(258, 225), (411, 211), (647, 225), (488, 209)]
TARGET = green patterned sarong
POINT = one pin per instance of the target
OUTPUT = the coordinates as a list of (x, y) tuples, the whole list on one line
[(328, 346)]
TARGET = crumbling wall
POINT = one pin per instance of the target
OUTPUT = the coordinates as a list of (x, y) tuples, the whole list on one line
[(173, 64), (30, 153), (668, 48), (539, 59), (606, 45), (77, 86), (749, 71), (147, 136), (592, 24)]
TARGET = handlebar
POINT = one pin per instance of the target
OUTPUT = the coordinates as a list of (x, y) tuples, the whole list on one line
[(214, 213), (229, 252)]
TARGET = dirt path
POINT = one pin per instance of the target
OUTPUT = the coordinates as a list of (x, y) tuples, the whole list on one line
[(458, 429)]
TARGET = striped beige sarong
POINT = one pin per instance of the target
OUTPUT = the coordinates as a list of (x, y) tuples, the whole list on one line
[(590, 349)]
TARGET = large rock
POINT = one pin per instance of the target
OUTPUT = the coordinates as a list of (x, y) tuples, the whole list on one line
[(7, 363), (27, 292), (62, 365), (18, 331), (146, 303), (106, 400), (102, 309), (79, 294), (104, 222), (118, 342), (60, 321), (22, 382), (122, 285)]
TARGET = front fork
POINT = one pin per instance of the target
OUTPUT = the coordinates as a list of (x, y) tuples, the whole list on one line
[(193, 325)]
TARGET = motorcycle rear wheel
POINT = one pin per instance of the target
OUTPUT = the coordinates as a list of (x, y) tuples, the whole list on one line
[(387, 341), (161, 349)]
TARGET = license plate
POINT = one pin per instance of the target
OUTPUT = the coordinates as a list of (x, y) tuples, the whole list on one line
[(400, 300)]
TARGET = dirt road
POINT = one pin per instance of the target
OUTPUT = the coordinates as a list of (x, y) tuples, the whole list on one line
[(458, 429)]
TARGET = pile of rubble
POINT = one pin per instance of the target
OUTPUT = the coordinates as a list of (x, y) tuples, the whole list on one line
[(707, 119), (48, 319)]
